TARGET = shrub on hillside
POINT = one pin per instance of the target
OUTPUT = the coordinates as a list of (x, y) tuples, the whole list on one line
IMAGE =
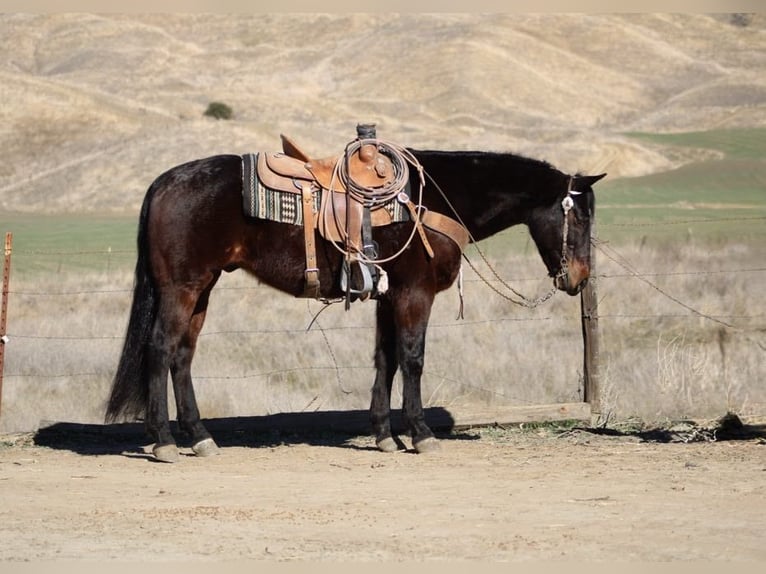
[(741, 19), (219, 111)]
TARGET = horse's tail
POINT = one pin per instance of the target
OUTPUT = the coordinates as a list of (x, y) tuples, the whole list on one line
[(130, 387)]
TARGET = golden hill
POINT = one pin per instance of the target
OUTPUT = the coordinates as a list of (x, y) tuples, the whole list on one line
[(96, 106)]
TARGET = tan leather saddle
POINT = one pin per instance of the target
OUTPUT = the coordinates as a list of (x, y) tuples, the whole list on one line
[(341, 215)]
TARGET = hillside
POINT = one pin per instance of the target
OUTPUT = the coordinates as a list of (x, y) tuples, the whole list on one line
[(96, 106)]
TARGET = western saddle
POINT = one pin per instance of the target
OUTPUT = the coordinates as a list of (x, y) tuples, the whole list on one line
[(343, 216)]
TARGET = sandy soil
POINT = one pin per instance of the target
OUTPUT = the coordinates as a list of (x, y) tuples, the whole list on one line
[(487, 495)]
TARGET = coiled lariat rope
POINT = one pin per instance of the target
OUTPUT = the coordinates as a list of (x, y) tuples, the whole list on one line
[(375, 196), (372, 197)]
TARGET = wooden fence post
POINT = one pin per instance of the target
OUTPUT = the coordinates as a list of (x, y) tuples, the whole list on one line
[(590, 333), (4, 308)]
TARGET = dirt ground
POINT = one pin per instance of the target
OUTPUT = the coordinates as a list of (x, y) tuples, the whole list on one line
[(487, 495)]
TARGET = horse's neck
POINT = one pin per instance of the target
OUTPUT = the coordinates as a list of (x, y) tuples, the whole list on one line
[(486, 217), (487, 194), (486, 212)]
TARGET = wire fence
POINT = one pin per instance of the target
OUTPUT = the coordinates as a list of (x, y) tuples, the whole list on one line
[(650, 297)]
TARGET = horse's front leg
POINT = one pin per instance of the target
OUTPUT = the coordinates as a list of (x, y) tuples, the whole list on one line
[(411, 316), (385, 369)]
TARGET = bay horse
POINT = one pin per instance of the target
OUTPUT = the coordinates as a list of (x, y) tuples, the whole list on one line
[(192, 228)]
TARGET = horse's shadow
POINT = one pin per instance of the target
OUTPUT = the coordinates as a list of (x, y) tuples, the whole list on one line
[(340, 429)]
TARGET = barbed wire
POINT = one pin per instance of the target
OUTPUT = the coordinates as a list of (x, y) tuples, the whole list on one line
[(132, 251), (681, 222), (277, 372), (682, 273), (607, 250), (371, 327), (293, 331), (106, 251), (256, 287), (671, 316)]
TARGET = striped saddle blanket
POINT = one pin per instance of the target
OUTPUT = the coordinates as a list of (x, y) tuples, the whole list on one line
[(278, 198)]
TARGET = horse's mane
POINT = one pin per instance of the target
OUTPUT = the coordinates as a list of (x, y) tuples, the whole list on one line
[(488, 155), (521, 174)]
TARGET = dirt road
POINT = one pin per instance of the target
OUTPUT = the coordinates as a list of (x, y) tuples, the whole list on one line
[(487, 495)]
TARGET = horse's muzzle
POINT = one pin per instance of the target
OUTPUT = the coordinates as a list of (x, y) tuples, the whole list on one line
[(575, 279)]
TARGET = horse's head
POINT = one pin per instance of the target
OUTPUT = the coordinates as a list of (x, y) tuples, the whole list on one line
[(561, 231)]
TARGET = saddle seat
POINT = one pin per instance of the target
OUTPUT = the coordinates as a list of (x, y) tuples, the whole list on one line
[(340, 214), (367, 167)]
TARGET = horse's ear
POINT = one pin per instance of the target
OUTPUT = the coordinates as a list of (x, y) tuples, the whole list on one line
[(583, 182)]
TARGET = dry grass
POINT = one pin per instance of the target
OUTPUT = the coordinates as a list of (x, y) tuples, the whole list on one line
[(659, 360), (664, 360)]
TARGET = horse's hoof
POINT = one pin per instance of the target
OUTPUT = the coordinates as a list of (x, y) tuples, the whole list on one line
[(166, 453), (387, 444), (427, 445), (206, 447)]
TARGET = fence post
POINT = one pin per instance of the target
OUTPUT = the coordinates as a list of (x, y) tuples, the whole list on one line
[(4, 308), (590, 333)]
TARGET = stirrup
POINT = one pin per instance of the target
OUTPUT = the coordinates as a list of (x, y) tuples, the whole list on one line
[(366, 280)]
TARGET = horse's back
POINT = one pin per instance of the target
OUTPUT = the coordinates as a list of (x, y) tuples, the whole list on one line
[(212, 170)]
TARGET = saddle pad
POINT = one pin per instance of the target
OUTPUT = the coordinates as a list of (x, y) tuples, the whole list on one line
[(264, 203)]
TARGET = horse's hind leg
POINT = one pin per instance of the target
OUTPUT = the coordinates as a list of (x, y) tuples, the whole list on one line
[(411, 315), (171, 349), (385, 369), (180, 370), (161, 348)]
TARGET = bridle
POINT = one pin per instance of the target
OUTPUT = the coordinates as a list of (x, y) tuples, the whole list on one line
[(518, 298), (566, 204)]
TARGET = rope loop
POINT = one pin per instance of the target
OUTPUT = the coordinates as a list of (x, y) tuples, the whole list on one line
[(401, 158), (374, 196)]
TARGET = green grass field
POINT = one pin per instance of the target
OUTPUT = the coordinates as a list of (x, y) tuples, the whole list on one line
[(43, 243), (716, 199)]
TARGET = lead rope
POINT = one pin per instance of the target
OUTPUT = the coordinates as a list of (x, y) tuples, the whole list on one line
[(521, 300), (524, 301)]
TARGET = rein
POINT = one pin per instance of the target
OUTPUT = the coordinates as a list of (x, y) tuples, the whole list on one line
[(516, 298)]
